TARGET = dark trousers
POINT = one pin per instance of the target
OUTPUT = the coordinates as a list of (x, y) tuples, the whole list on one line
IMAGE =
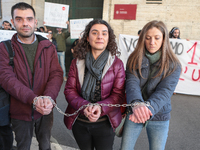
[(24, 132), (98, 135), (6, 137)]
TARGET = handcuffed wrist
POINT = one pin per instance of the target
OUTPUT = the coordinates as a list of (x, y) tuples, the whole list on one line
[(36, 99)]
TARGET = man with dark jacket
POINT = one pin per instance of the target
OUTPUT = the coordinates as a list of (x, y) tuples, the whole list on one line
[(35, 82)]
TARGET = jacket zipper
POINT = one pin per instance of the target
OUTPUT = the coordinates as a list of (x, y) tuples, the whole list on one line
[(31, 87)]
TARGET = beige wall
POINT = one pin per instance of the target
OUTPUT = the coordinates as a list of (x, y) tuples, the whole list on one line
[(6, 8), (38, 5), (181, 13)]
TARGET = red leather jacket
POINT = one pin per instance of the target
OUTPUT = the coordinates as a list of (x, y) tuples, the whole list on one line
[(22, 85), (112, 90)]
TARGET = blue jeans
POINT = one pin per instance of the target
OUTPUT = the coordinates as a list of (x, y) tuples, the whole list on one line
[(157, 132), (61, 59)]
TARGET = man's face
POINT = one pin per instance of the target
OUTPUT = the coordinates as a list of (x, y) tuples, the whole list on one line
[(176, 34), (6, 26), (24, 22), (59, 29)]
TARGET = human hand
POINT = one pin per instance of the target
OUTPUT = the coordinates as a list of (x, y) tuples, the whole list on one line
[(87, 111), (92, 112), (140, 114), (95, 113), (47, 103), (44, 106)]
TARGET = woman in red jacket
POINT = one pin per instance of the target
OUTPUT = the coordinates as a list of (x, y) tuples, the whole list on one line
[(96, 77)]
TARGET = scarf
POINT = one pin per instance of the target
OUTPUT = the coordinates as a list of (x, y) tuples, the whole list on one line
[(153, 58), (95, 69)]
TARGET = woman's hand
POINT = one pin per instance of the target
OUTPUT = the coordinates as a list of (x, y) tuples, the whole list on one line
[(140, 114), (92, 112)]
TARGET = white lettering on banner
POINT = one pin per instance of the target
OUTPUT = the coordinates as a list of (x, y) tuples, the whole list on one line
[(7, 35), (56, 15), (77, 26), (188, 53)]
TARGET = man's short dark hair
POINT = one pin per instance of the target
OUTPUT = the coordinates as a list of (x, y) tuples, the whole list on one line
[(6, 22), (21, 6), (41, 28)]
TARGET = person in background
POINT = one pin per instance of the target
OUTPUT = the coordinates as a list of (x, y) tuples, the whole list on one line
[(41, 29), (61, 37), (11, 28), (74, 44), (6, 135), (50, 37), (152, 74), (174, 33), (96, 77), (139, 32), (68, 55), (6, 25), (34, 83)]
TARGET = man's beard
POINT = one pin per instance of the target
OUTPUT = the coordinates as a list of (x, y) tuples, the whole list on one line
[(25, 36)]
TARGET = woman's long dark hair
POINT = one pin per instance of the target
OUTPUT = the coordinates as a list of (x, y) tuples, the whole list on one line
[(83, 46), (167, 57)]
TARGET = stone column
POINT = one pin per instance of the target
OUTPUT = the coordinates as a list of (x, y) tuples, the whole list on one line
[(38, 5), (107, 10)]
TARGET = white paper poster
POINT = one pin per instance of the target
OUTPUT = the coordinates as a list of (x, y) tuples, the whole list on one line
[(77, 26), (56, 15), (7, 35)]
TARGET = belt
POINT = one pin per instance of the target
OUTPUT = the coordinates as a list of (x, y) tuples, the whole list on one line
[(87, 121)]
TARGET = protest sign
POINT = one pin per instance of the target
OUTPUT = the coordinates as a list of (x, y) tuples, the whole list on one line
[(77, 26), (188, 53), (56, 15), (7, 35)]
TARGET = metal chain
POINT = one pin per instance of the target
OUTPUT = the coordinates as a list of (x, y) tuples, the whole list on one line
[(84, 106), (108, 105)]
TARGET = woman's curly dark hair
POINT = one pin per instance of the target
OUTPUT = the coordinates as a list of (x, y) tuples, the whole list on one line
[(83, 46)]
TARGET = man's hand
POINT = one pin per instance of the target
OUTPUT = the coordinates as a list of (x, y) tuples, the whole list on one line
[(68, 26), (44, 106), (140, 114)]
